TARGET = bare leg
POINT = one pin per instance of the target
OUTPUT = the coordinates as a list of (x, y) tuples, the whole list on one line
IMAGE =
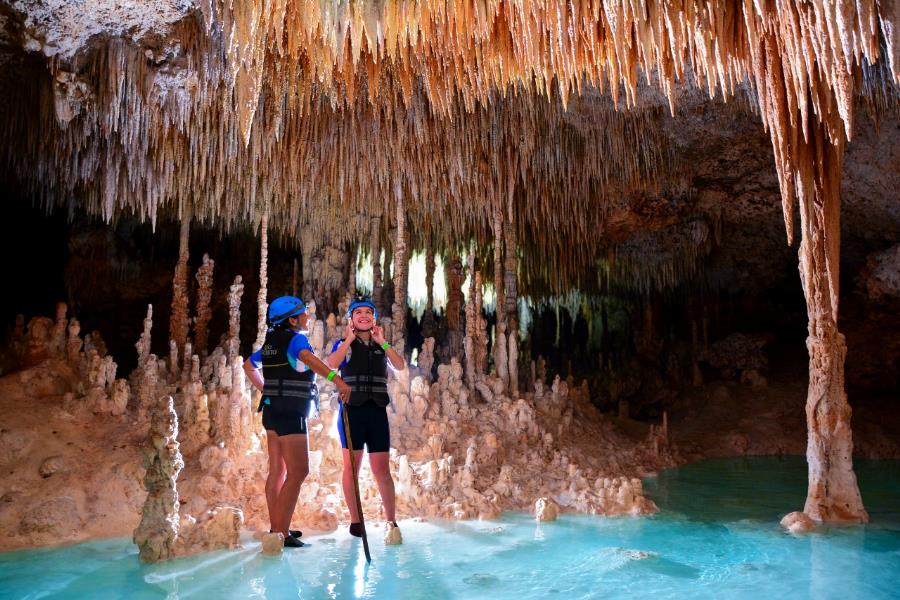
[(295, 451), (381, 469), (277, 473), (347, 481)]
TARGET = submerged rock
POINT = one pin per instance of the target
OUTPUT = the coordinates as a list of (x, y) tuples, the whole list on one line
[(546, 509), (272, 544), (798, 522)]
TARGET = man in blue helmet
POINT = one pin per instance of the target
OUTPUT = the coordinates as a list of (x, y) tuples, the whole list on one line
[(287, 383), (363, 357)]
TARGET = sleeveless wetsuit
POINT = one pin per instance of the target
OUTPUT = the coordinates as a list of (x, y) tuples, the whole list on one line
[(289, 384), (365, 371)]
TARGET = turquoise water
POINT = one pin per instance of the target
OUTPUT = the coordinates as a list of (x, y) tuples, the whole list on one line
[(716, 537)]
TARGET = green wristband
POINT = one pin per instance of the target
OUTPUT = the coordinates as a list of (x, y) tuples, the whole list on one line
[(331, 375), (385, 346)]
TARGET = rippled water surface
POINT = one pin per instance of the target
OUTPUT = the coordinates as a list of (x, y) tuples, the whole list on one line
[(716, 537)]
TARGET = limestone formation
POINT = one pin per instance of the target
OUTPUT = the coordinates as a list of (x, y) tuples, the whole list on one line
[(157, 533), (261, 304), (204, 296), (401, 278), (234, 318), (179, 321), (545, 509), (272, 544), (456, 129), (798, 522)]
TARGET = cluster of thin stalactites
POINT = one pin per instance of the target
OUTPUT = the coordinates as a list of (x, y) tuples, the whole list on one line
[(324, 115)]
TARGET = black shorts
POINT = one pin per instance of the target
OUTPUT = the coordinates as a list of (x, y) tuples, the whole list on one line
[(369, 427), (283, 423)]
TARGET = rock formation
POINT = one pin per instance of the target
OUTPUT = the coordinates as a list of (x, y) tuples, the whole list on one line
[(158, 531), (364, 129)]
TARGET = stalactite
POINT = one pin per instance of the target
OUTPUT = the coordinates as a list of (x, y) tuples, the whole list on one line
[(351, 273), (204, 278), (387, 281), (310, 250), (179, 322), (401, 277), (261, 304), (291, 100), (233, 342), (375, 233)]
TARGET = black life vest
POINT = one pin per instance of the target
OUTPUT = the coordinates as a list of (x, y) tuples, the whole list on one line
[(366, 374), (285, 390)]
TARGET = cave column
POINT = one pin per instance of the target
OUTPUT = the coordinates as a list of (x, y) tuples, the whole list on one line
[(401, 278), (511, 310), (428, 317), (179, 322), (261, 304), (455, 276), (833, 493), (809, 155), (501, 359)]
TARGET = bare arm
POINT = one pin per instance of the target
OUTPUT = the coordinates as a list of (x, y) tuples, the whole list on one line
[(335, 359), (253, 375), (396, 360), (320, 368)]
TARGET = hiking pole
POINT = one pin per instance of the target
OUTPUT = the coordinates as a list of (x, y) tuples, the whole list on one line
[(359, 510)]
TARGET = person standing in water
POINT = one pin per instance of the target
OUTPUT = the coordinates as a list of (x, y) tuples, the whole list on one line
[(363, 357), (289, 368)]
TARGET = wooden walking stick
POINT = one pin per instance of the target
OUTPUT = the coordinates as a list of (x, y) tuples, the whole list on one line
[(359, 510)]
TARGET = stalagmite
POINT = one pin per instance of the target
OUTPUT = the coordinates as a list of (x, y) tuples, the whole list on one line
[(233, 343), (158, 530), (426, 358), (261, 304), (204, 297), (143, 344), (401, 278), (179, 322)]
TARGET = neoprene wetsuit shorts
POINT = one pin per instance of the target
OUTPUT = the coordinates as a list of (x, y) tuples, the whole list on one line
[(283, 423), (368, 427)]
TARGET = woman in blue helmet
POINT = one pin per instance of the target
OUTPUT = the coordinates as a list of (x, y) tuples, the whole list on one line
[(287, 383), (363, 357)]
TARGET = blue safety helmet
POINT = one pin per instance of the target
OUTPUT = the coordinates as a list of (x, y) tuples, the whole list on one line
[(359, 302), (284, 308)]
